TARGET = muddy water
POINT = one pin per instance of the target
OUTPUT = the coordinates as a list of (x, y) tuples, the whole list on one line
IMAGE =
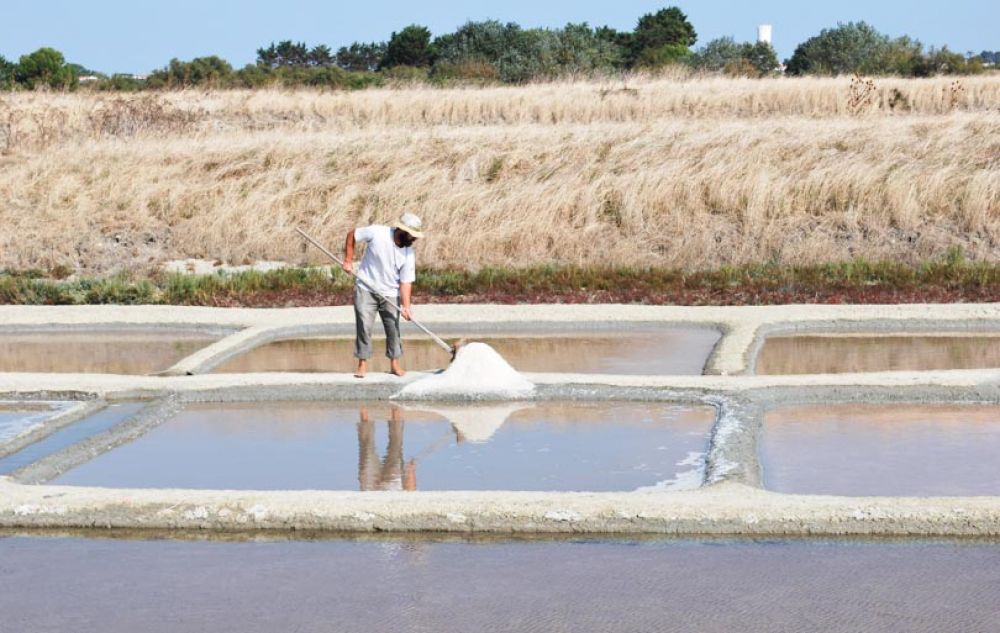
[(69, 584), (98, 352), (275, 446), (860, 450), (836, 354), (659, 351), (75, 432)]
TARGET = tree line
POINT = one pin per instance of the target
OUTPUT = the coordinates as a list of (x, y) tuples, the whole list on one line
[(495, 52)]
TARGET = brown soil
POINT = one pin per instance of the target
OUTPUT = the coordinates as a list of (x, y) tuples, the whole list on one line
[(694, 297)]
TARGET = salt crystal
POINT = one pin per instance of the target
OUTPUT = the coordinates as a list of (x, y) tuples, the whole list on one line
[(478, 371)]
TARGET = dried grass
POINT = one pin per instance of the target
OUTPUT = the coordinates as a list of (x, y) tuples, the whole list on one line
[(691, 174)]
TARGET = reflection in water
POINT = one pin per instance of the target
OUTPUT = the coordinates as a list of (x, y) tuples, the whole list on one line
[(394, 472), (347, 446), (387, 473), (98, 352), (639, 351), (838, 354)]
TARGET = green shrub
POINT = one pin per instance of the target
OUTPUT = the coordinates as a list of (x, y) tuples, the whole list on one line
[(207, 72), (409, 47), (45, 67)]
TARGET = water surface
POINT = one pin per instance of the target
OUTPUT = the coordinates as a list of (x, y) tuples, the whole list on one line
[(76, 432), (843, 353), (70, 584), (896, 450), (98, 352), (353, 446), (673, 351)]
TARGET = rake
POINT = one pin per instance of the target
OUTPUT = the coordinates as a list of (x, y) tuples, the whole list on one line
[(451, 349)]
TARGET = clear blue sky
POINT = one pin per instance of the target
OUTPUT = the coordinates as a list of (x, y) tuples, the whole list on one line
[(140, 35)]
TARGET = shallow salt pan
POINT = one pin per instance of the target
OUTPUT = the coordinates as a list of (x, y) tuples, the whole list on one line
[(478, 371), (20, 418)]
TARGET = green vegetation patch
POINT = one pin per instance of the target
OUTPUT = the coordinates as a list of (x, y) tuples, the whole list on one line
[(951, 279)]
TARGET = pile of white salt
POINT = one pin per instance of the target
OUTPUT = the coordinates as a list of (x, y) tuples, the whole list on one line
[(478, 371)]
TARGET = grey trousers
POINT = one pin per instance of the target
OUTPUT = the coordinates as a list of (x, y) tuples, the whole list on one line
[(366, 305)]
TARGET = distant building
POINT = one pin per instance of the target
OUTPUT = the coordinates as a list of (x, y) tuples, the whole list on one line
[(86, 79), (764, 33)]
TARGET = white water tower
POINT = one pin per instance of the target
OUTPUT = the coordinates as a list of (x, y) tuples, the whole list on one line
[(764, 33)]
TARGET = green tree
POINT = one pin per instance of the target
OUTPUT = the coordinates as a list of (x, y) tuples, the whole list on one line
[(532, 55), (717, 54), (905, 57), (7, 71), (321, 55), (268, 57), (583, 49), (476, 49), (662, 56), (45, 67), (946, 62), (83, 71), (855, 47), (409, 47), (738, 59), (659, 37), (762, 57), (490, 49), (484, 42), (254, 76), (285, 53), (211, 71), (121, 83), (361, 56), (621, 40)]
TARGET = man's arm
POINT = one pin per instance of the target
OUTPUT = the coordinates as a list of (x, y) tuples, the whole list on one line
[(405, 292), (349, 253)]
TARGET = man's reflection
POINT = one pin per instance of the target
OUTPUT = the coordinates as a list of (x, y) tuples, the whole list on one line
[(389, 473), (475, 425)]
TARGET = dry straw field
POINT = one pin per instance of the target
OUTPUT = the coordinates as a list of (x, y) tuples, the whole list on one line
[(689, 173)]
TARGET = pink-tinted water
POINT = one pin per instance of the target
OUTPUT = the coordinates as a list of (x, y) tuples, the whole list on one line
[(98, 352), (897, 450), (839, 353), (645, 351)]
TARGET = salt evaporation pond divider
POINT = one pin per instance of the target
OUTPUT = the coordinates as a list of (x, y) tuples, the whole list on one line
[(637, 351), (76, 432), (17, 417), (257, 586), (378, 446), (883, 450), (851, 353), (99, 352)]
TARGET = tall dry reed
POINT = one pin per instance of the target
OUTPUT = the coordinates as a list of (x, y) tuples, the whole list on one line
[(692, 174)]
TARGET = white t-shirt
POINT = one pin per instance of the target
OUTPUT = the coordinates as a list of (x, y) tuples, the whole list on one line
[(385, 265)]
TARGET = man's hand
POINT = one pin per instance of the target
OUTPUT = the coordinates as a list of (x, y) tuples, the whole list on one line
[(407, 313), (348, 267)]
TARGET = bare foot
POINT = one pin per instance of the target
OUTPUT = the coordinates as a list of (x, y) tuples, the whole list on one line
[(395, 368), (362, 369)]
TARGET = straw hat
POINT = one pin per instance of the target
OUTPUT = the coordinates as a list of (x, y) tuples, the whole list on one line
[(411, 224)]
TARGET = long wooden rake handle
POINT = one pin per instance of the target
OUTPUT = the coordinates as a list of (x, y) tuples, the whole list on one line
[(437, 339)]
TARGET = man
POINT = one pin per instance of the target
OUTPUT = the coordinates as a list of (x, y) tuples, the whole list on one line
[(387, 271)]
